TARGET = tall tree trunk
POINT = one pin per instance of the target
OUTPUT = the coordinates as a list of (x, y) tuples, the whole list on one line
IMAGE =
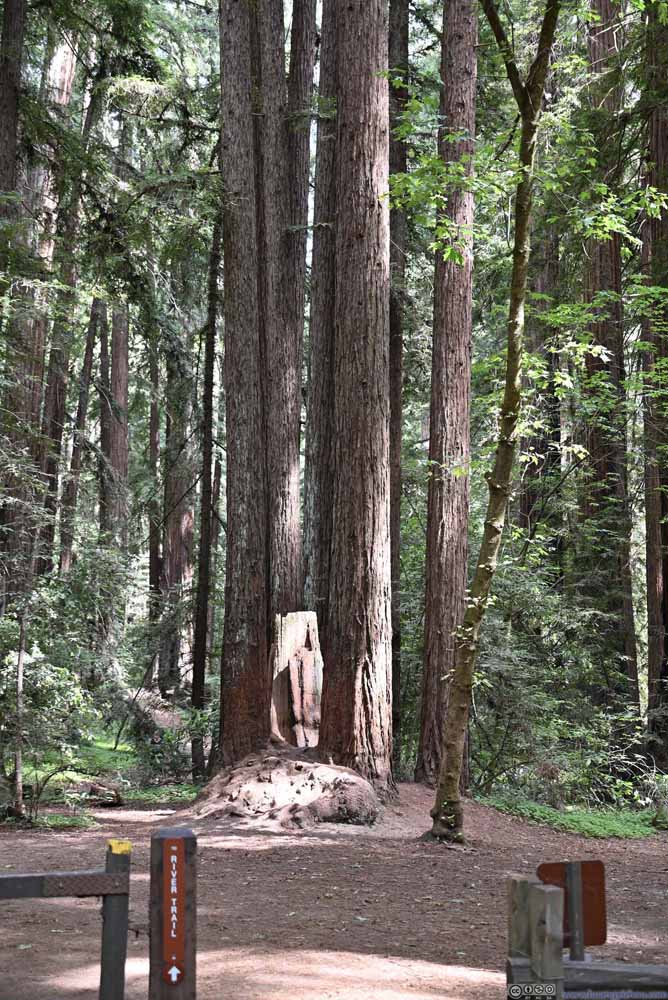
[(154, 506), (449, 445), (178, 515), (656, 410), (542, 445), (319, 475), (447, 813), (118, 440), (71, 488), (398, 62), (281, 203), (53, 419), (11, 57), (200, 642), (607, 502), (245, 680), (104, 395), (356, 727)]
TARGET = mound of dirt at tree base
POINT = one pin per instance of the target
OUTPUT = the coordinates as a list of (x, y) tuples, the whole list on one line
[(291, 789)]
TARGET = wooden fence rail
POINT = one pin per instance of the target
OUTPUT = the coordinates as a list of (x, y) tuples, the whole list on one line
[(112, 883)]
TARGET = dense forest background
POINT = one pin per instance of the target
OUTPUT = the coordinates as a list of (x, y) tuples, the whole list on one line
[(256, 273)]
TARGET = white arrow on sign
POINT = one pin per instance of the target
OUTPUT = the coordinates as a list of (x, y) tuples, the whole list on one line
[(174, 974)]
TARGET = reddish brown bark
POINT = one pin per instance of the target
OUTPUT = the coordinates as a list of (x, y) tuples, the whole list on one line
[(71, 488), (607, 503), (178, 514), (447, 813), (245, 680), (656, 412), (357, 689), (449, 447), (11, 57), (200, 640), (398, 62), (319, 476)]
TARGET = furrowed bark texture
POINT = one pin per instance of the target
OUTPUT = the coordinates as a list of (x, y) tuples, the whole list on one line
[(606, 501), (178, 515), (448, 491), (200, 642), (280, 203), (245, 680), (319, 476), (447, 812), (357, 690), (11, 57), (71, 488), (656, 410), (398, 62)]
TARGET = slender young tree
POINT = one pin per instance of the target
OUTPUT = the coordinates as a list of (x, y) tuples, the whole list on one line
[(398, 60), (70, 495), (357, 687), (448, 491), (200, 641), (447, 813)]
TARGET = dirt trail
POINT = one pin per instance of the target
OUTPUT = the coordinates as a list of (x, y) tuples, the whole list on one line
[(340, 913)]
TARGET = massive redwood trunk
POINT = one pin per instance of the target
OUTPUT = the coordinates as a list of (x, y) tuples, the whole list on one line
[(357, 688), (319, 475), (656, 411), (398, 62), (448, 491), (606, 508), (245, 679)]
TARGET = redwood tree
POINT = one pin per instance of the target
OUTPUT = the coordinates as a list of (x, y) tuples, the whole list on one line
[(656, 408), (319, 475), (606, 501), (398, 60), (357, 686), (448, 491), (447, 813), (245, 687)]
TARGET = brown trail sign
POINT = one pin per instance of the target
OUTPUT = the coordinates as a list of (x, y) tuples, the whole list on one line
[(172, 915)]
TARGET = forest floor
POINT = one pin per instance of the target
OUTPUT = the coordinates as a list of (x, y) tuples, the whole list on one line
[(332, 914)]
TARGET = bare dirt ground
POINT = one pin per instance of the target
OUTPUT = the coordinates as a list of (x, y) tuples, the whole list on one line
[(332, 914)]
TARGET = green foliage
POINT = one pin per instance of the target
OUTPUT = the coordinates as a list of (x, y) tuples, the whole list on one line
[(596, 823)]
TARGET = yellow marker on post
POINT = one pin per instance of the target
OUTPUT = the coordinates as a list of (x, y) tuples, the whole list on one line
[(119, 846)]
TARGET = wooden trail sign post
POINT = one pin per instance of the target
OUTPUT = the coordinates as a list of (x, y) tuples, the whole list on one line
[(538, 915), (173, 915), (113, 884)]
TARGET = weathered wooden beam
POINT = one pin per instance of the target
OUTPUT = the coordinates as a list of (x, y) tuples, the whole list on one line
[(546, 921), (115, 925), (519, 941), (96, 882), (615, 976)]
